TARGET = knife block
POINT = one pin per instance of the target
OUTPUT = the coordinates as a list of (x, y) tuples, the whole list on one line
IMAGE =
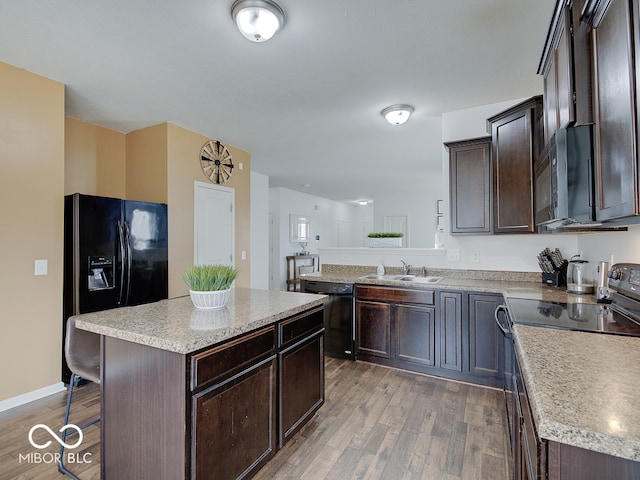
[(557, 278)]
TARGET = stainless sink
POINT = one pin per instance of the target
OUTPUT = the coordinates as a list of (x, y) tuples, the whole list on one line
[(416, 279), (403, 278)]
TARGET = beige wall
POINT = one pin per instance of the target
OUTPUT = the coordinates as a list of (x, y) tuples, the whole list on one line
[(44, 157), (183, 169), (94, 160), (31, 211), (157, 164), (147, 164)]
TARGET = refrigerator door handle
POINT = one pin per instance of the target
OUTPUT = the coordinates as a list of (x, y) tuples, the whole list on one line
[(127, 237), (122, 260)]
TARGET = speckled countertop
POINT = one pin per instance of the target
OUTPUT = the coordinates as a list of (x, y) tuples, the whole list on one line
[(583, 388), (175, 325)]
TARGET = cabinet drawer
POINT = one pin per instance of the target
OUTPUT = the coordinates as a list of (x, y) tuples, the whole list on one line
[(388, 294), (211, 365), (300, 326)]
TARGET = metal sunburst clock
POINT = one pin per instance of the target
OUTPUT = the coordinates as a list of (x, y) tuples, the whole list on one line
[(216, 161)]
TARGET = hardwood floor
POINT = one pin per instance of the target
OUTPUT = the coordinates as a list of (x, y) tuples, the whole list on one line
[(14, 443), (376, 423)]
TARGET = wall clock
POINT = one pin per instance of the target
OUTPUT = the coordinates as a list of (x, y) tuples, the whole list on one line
[(216, 161)]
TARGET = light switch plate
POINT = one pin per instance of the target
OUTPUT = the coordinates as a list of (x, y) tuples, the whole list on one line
[(42, 267)]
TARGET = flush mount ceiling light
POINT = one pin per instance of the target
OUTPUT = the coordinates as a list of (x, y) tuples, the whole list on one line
[(397, 114), (257, 20)]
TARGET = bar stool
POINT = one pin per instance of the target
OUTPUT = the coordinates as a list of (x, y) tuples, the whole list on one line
[(82, 351)]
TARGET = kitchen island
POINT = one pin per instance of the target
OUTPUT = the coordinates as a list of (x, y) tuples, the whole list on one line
[(188, 393)]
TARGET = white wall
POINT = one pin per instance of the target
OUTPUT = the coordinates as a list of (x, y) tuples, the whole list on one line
[(613, 247), (324, 217), (420, 207), (259, 231)]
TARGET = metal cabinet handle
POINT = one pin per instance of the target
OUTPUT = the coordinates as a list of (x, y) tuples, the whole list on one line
[(502, 308)]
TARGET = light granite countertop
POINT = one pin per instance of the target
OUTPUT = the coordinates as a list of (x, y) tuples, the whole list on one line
[(177, 326), (583, 388)]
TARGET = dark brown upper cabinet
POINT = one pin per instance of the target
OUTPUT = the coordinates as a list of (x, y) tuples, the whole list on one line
[(470, 186), (517, 138), (566, 68), (616, 45)]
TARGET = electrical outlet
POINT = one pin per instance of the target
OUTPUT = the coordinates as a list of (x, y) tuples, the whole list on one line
[(243, 255), (475, 256), (453, 255)]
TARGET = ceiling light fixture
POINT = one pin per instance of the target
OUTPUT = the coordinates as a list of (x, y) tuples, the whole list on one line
[(257, 20), (397, 114), (362, 202)]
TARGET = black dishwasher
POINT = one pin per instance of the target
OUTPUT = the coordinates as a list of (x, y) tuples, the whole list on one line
[(339, 331)]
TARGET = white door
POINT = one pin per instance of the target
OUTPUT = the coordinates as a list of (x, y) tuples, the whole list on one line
[(214, 233), (344, 234), (397, 223)]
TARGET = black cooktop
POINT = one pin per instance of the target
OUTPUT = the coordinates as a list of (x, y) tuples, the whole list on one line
[(586, 317)]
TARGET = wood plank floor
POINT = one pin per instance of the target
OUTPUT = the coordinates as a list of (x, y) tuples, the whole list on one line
[(376, 423)]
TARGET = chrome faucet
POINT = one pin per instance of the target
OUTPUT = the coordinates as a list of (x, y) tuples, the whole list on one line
[(405, 267)]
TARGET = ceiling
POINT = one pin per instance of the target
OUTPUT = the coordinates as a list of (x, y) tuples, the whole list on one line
[(306, 104)]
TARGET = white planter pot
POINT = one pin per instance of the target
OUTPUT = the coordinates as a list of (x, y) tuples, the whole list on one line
[(385, 242), (210, 300)]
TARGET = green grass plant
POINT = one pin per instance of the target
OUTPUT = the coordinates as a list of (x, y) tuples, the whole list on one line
[(207, 278), (385, 235)]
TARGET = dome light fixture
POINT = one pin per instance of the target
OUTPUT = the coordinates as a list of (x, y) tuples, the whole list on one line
[(257, 20), (397, 114)]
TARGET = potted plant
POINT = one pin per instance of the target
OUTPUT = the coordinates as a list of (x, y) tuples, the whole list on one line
[(385, 239), (209, 285)]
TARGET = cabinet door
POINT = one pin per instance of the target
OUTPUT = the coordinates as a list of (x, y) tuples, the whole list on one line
[(415, 334), (301, 384), (615, 111), (234, 424), (470, 186), (516, 139), (564, 79), (374, 328), (451, 335), (486, 345), (550, 88)]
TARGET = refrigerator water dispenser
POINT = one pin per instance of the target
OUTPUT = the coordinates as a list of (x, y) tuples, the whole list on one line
[(101, 273)]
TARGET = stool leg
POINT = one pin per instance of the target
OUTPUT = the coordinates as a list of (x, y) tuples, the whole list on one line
[(61, 468)]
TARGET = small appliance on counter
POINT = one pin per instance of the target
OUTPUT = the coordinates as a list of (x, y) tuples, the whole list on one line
[(577, 278), (603, 292), (553, 266)]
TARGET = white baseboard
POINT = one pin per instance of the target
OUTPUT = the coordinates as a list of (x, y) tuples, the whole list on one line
[(31, 396)]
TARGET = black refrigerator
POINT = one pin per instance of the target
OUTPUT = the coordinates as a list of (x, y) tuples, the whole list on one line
[(115, 254)]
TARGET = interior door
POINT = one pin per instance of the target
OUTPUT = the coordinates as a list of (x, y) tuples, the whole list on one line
[(214, 235), (398, 223)]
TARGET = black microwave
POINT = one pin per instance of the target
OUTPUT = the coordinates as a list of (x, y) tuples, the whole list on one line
[(564, 190)]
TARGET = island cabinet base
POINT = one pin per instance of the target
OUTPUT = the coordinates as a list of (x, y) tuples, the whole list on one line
[(218, 413), (143, 412), (566, 462)]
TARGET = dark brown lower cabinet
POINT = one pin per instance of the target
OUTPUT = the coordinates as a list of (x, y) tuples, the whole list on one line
[(451, 331), (373, 329), (486, 342), (235, 422), (447, 333), (535, 458), (301, 384), (415, 334), (219, 413)]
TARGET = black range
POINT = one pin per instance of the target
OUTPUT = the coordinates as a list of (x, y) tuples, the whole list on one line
[(621, 317)]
